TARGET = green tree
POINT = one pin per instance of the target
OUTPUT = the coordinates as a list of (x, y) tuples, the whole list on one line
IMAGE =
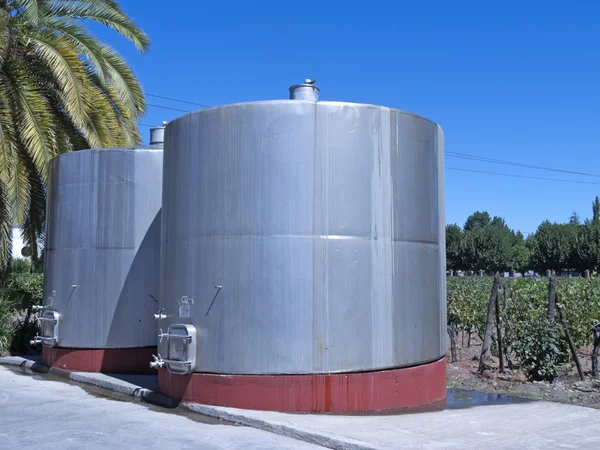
[(586, 251), (574, 219), (61, 89), (488, 248), (596, 210), (453, 248), (520, 256), (477, 220), (552, 247), (498, 222)]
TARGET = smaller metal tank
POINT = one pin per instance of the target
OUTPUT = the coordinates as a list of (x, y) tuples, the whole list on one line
[(102, 258)]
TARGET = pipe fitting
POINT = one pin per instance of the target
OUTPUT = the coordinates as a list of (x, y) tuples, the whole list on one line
[(157, 363), (160, 315), (305, 91)]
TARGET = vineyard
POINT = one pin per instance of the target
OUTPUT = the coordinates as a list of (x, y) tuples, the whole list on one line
[(529, 342)]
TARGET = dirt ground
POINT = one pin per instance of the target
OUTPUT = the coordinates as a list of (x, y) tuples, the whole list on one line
[(568, 388)]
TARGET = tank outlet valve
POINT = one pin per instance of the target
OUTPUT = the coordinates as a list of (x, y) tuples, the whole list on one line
[(38, 307), (160, 315), (35, 341), (157, 363)]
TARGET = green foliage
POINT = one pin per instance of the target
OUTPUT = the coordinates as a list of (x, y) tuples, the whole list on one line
[(488, 248), (27, 290), (486, 243), (520, 258), (20, 265), (453, 249), (581, 300), (574, 219), (542, 351), (540, 348), (477, 220), (596, 210), (586, 250), (18, 293), (7, 323), (467, 301), (552, 247), (61, 89)]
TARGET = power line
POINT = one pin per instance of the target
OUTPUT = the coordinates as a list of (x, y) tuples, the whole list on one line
[(167, 107), (521, 176), (177, 100), (516, 164)]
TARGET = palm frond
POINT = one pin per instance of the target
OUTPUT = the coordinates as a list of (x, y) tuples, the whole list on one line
[(7, 132), (31, 10), (17, 188), (61, 89), (33, 120), (5, 226), (62, 58), (122, 77), (4, 34), (35, 218), (110, 69), (87, 44), (110, 123), (104, 12)]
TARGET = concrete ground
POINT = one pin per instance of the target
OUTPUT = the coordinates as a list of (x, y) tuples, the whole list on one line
[(38, 413), (498, 425), (66, 416)]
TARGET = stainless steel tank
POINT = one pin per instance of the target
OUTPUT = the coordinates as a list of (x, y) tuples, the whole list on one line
[(102, 249), (302, 237)]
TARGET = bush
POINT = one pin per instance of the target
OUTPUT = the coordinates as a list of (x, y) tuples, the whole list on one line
[(19, 291), (7, 323), (20, 265), (540, 348)]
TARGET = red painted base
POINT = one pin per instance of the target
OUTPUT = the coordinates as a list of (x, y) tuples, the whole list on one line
[(110, 360), (350, 392)]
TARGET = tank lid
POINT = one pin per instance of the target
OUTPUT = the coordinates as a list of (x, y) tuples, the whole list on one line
[(157, 134), (306, 91)]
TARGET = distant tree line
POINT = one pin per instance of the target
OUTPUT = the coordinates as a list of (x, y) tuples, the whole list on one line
[(487, 243)]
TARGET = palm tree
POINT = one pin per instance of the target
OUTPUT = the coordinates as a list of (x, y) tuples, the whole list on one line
[(61, 89)]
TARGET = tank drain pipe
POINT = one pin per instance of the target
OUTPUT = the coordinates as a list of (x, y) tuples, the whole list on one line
[(39, 307), (157, 362), (160, 315)]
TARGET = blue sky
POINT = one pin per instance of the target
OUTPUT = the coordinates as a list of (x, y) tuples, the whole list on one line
[(517, 81)]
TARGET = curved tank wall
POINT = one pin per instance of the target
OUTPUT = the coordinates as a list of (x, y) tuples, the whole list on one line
[(103, 247), (304, 237)]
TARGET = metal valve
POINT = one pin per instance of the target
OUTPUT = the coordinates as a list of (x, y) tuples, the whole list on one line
[(35, 341), (157, 363), (160, 315), (38, 307)]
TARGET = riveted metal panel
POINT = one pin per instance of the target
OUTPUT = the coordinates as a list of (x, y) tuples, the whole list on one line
[(103, 246), (307, 237)]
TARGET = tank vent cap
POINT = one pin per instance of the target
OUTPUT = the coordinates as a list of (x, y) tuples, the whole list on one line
[(157, 134), (306, 91)]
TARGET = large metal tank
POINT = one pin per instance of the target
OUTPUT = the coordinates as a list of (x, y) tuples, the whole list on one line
[(102, 258), (302, 237)]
